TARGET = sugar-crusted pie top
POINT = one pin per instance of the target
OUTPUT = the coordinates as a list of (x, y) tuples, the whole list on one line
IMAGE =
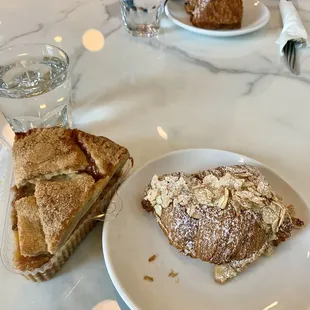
[(69, 170), (46, 152)]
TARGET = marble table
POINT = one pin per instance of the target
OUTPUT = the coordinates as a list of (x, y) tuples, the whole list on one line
[(177, 91)]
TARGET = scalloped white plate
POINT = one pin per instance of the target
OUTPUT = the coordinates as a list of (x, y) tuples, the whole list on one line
[(281, 281), (255, 16)]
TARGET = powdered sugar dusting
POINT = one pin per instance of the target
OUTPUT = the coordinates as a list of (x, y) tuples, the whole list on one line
[(242, 187)]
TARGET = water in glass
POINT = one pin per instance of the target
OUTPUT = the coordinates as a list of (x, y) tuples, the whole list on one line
[(142, 18), (35, 92)]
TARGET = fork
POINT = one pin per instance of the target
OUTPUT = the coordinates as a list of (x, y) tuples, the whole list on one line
[(289, 51)]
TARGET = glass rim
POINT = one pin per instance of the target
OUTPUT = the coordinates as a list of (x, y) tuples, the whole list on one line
[(3, 49)]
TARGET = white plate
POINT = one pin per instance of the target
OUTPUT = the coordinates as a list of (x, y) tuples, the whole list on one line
[(282, 279), (255, 16)]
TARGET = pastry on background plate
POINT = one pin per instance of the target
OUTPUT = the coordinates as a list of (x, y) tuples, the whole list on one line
[(215, 14), (228, 216)]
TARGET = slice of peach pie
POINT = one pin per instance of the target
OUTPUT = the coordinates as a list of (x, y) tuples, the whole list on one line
[(60, 174)]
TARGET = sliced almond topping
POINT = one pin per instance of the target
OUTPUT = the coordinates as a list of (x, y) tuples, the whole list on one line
[(222, 202), (223, 273), (191, 210), (196, 216), (291, 210), (159, 200), (236, 206), (211, 180), (158, 210), (247, 184), (242, 174), (253, 190), (269, 215), (269, 250)]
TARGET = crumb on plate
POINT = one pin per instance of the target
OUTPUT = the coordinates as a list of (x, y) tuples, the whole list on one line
[(173, 274), (152, 258), (148, 278)]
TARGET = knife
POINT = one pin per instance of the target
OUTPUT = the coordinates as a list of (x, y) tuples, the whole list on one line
[(289, 51)]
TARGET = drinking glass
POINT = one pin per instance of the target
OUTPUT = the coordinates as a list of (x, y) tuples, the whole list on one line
[(142, 17), (35, 86)]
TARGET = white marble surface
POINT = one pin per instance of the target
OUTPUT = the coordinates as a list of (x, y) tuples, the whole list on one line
[(179, 90)]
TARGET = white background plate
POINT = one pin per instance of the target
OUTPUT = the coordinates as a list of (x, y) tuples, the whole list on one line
[(255, 16), (282, 279)]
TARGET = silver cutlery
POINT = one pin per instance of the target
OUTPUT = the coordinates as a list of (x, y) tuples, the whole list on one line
[(290, 56)]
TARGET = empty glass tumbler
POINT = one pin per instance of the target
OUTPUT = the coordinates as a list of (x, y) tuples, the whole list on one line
[(35, 86)]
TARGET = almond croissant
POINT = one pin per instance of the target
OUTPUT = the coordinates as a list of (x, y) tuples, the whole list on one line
[(228, 216)]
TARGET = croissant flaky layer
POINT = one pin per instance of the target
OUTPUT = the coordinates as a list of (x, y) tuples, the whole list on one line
[(228, 216)]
